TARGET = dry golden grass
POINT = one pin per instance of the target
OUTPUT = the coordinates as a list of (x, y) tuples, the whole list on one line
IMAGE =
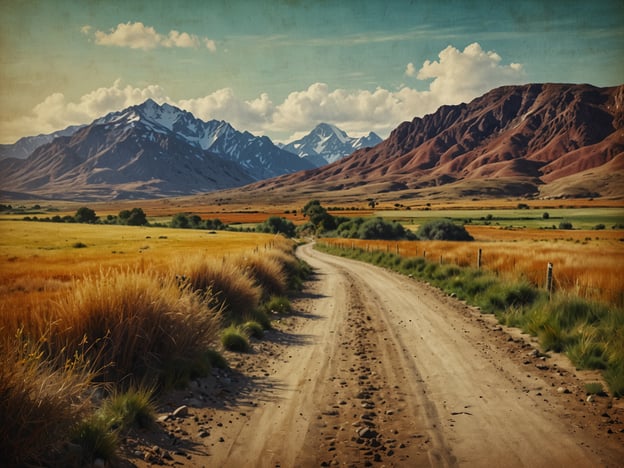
[(129, 324), (39, 403), (224, 280), (593, 269), (38, 260)]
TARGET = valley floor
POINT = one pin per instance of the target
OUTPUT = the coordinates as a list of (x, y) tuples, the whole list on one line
[(376, 369)]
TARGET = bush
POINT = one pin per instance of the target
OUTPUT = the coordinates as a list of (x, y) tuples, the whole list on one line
[(443, 230), (96, 440), (133, 408), (278, 305), (40, 401), (565, 225), (85, 215), (266, 271), (253, 329), (223, 284), (234, 339), (277, 225), (131, 325)]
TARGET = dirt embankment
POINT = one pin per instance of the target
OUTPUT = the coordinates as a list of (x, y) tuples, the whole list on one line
[(376, 369)]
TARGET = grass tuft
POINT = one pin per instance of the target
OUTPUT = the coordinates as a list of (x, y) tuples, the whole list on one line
[(235, 339), (131, 325), (253, 329), (132, 408), (223, 282), (39, 402)]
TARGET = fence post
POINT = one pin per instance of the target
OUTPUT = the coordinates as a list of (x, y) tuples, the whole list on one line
[(549, 277), (440, 259), (479, 260), (397, 249), (424, 254)]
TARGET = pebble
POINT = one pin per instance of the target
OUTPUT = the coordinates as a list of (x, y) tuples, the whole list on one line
[(181, 411)]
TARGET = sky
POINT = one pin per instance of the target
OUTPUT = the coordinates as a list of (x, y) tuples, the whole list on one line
[(280, 67)]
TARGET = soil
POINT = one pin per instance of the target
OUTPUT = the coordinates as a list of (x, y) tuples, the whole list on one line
[(377, 369)]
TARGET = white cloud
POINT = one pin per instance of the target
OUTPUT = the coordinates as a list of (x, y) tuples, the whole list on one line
[(458, 76), (56, 112), (410, 70), (139, 36)]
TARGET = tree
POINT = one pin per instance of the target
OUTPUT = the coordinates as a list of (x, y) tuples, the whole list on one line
[(85, 215), (443, 230), (180, 220), (137, 218), (545, 215), (319, 216), (277, 225)]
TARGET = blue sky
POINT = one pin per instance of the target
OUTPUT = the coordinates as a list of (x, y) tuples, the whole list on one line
[(280, 67)]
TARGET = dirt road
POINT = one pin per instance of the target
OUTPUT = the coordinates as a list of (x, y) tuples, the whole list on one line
[(377, 369)]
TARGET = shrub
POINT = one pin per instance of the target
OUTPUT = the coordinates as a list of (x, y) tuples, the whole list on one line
[(565, 225), (216, 359), (253, 329), (96, 440), (85, 215), (278, 305), (39, 403), (277, 225), (222, 283), (234, 339), (443, 230), (131, 324), (79, 245), (266, 271), (132, 408)]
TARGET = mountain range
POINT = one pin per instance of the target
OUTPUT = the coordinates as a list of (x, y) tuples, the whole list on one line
[(536, 140), (148, 150), (327, 143)]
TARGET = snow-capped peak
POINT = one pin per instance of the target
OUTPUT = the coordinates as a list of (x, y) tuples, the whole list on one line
[(327, 143)]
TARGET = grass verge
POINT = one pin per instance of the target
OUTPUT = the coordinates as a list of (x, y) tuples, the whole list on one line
[(590, 333)]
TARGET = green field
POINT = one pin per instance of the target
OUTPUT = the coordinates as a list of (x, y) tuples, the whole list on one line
[(581, 218)]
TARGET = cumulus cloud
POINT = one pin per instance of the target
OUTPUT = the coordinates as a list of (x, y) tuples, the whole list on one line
[(56, 112), (139, 36), (457, 76), (410, 70), (462, 75)]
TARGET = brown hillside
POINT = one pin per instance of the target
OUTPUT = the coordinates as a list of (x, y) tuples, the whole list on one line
[(532, 135)]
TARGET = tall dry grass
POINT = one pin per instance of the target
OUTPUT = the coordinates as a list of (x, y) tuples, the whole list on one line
[(593, 270), (267, 272), (41, 400), (223, 282), (131, 325)]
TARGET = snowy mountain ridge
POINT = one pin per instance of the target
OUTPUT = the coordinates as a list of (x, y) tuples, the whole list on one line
[(327, 143)]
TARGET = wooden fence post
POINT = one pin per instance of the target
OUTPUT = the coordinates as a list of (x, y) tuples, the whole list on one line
[(549, 278), (479, 260), (440, 259)]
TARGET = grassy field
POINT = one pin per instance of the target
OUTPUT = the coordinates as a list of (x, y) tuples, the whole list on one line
[(592, 269), (38, 260), (94, 319), (581, 218)]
